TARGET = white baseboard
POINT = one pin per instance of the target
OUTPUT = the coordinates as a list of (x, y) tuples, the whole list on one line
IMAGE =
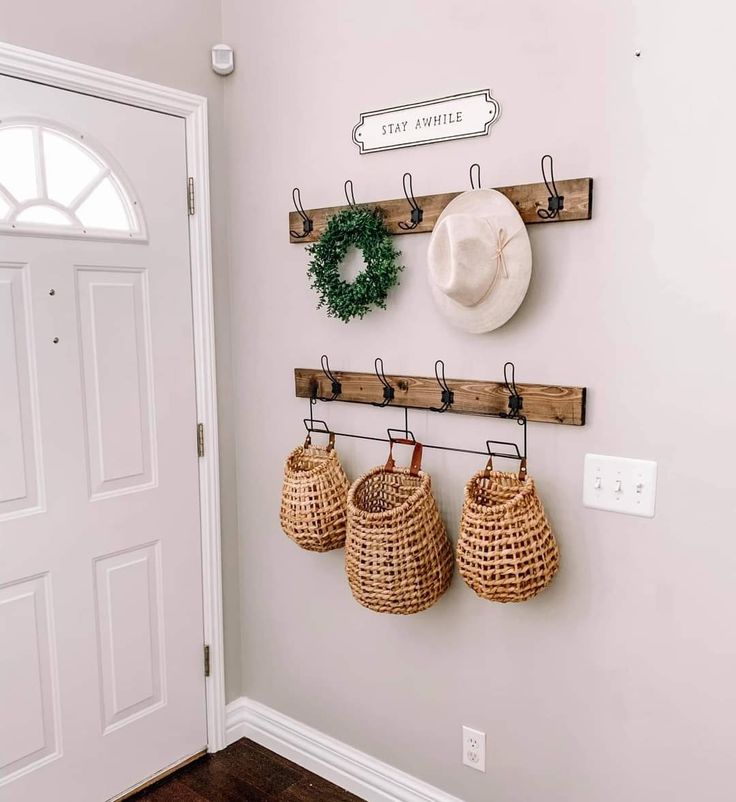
[(327, 757)]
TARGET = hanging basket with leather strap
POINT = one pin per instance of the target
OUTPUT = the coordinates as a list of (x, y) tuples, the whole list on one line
[(506, 551), (314, 497), (397, 554)]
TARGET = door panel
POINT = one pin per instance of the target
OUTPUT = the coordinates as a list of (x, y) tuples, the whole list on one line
[(130, 629), (20, 459), (28, 675), (114, 334)]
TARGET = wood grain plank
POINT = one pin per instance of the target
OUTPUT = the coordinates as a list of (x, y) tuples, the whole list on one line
[(155, 782), (170, 791), (314, 789), (543, 403), (528, 199), (244, 772), (215, 780)]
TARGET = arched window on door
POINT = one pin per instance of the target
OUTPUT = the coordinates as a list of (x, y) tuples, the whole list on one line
[(53, 182)]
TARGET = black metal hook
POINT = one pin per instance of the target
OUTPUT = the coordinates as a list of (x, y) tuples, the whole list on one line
[(555, 201), (472, 182), (448, 397), (388, 390), (307, 224), (417, 214), (516, 404), (516, 401), (336, 385), (350, 194)]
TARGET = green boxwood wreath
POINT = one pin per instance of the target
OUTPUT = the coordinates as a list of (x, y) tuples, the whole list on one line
[(364, 229)]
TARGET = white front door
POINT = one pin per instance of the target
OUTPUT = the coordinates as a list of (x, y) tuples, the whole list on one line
[(101, 646)]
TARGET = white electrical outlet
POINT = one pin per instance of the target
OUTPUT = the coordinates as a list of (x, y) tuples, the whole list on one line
[(474, 749), (619, 484)]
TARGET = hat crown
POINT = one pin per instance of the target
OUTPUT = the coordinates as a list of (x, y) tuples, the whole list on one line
[(479, 260), (463, 258)]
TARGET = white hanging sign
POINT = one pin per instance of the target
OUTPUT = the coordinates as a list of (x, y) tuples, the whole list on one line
[(454, 117)]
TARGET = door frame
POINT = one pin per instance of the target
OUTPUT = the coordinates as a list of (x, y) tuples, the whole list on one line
[(32, 65)]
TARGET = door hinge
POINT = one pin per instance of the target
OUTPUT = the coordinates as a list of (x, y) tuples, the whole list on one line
[(200, 439), (190, 196), (206, 661)]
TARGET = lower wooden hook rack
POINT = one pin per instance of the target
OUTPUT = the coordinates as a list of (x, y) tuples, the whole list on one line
[(542, 402)]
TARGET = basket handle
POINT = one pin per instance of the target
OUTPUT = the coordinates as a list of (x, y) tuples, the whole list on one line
[(416, 457), (330, 444)]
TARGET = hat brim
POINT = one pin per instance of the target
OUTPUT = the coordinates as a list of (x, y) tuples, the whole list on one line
[(508, 292)]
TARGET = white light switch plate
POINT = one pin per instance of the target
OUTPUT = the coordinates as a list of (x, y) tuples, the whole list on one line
[(619, 484)]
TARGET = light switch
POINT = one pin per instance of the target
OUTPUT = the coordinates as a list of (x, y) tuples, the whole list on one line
[(620, 484)]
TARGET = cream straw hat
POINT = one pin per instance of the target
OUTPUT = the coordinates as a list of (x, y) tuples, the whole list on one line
[(480, 260)]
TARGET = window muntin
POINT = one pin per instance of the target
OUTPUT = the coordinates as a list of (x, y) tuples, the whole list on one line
[(52, 182)]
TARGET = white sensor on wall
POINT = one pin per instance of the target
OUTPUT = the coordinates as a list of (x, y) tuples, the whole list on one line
[(223, 59)]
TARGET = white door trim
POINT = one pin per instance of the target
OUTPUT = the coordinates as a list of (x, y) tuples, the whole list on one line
[(31, 65)]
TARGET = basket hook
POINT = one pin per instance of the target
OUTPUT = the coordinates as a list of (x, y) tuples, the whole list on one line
[(336, 386), (388, 390), (516, 401), (447, 396)]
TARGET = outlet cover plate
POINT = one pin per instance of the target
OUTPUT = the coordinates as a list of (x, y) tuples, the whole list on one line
[(474, 749), (620, 484)]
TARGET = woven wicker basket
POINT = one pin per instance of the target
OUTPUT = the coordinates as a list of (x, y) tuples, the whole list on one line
[(506, 551), (314, 497), (397, 554)]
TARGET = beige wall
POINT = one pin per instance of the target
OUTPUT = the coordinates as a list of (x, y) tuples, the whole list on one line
[(167, 42), (617, 683)]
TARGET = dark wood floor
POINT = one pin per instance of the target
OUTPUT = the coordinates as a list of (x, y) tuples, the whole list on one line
[(244, 772)]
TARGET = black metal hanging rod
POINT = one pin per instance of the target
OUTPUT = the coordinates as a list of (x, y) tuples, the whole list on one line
[(324, 429)]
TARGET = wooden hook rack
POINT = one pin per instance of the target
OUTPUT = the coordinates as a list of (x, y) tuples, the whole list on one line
[(543, 403), (528, 199)]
